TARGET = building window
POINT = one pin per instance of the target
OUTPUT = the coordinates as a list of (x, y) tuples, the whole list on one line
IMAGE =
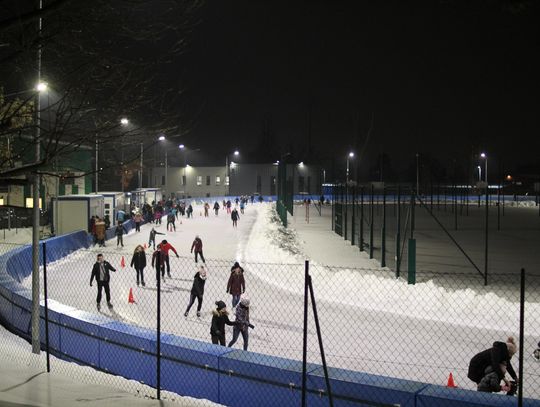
[(301, 184), (227, 180), (199, 180), (163, 180), (208, 180), (218, 180), (183, 180), (259, 184)]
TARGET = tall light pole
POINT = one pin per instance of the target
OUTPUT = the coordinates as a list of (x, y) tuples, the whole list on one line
[(162, 138), (349, 156), (227, 170), (484, 156), (417, 173), (184, 178), (479, 173)]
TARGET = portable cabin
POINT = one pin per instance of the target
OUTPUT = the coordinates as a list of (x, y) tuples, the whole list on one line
[(73, 212)]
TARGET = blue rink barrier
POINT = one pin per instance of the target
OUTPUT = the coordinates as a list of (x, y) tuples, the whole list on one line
[(200, 369), (357, 388), (445, 397)]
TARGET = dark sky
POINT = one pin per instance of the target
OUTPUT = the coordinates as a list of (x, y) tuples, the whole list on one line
[(444, 78)]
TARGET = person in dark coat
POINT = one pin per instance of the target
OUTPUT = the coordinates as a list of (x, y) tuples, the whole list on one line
[(220, 317), (235, 216), (197, 246), (494, 357), (158, 262), (216, 208), (119, 232), (152, 238), (197, 291), (241, 324), (236, 285), (100, 272), (138, 262), (491, 383)]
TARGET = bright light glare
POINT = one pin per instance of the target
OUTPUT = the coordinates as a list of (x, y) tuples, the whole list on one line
[(351, 154), (161, 138), (42, 86), (483, 155), (124, 121), (181, 146), (236, 152), (301, 163)]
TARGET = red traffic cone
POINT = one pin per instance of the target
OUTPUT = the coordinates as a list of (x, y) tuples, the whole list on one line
[(123, 262), (131, 300), (451, 383)]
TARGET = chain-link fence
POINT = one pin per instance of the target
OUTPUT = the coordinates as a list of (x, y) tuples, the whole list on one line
[(382, 338)]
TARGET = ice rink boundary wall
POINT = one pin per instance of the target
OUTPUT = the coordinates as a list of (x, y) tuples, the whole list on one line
[(199, 369)]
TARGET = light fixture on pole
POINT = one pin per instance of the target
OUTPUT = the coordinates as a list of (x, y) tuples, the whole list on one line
[(479, 173), (236, 153), (349, 156), (162, 138), (485, 157)]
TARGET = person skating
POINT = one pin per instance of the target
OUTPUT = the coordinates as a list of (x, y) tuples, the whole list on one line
[(236, 285), (206, 209), (197, 246), (100, 272), (242, 205), (152, 238), (158, 262), (170, 221), (138, 262), (494, 357), (100, 232), (216, 208), (197, 291), (189, 211), (138, 219), (119, 232), (241, 324), (235, 216), (220, 317), (165, 247), (228, 206)]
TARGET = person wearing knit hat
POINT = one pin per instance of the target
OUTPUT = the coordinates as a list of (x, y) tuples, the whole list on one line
[(494, 357), (236, 284), (241, 324), (197, 291), (220, 318)]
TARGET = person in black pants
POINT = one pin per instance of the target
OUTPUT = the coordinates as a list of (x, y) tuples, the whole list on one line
[(220, 317), (197, 291), (138, 262), (100, 272), (493, 357)]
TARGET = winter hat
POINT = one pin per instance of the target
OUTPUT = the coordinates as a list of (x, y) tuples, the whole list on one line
[(236, 264), (220, 305), (511, 345), (245, 301)]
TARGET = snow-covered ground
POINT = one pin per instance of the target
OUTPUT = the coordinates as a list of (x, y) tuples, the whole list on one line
[(370, 321)]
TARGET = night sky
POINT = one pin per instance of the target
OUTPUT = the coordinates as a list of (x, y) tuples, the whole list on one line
[(442, 78)]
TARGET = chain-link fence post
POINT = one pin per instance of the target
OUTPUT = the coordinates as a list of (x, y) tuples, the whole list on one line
[(45, 293), (521, 336), (362, 219), (383, 231), (372, 222), (158, 332), (304, 340), (398, 233)]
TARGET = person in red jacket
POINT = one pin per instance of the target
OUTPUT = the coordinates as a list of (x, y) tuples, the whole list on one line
[(236, 284), (197, 246), (165, 247)]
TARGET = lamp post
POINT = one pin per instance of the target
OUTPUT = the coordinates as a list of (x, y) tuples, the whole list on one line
[(484, 156), (162, 138), (184, 178), (349, 156), (227, 170), (479, 173)]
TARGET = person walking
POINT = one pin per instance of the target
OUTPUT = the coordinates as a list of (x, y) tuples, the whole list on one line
[(493, 357), (197, 246), (236, 285), (197, 291), (216, 208), (165, 247), (235, 216), (152, 238), (220, 317), (100, 272), (138, 219), (158, 263), (100, 232), (241, 324), (119, 232), (138, 262)]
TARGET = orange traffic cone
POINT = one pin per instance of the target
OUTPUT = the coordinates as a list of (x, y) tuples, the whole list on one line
[(146, 247), (451, 383), (131, 300), (123, 262)]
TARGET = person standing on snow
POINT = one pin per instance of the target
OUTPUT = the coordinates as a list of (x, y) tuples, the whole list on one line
[(220, 317), (138, 262), (235, 216), (152, 238), (119, 232), (241, 324), (165, 247), (216, 208), (236, 285), (158, 262), (197, 291), (100, 272), (197, 246)]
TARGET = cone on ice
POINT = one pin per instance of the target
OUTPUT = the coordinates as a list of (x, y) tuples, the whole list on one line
[(146, 247), (131, 300), (451, 383), (123, 262)]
